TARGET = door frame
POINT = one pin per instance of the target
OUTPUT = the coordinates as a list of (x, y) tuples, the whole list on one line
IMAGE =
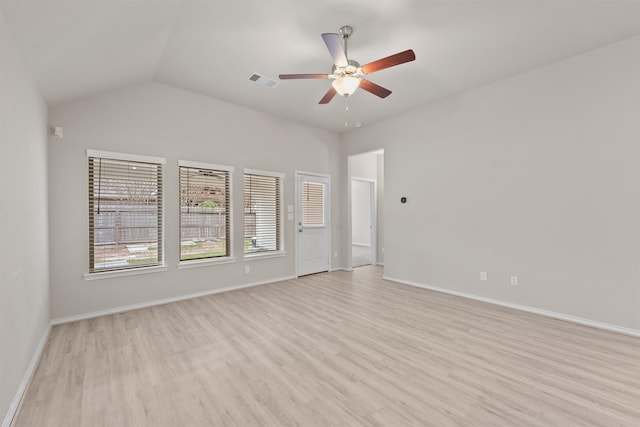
[(373, 188), (298, 215)]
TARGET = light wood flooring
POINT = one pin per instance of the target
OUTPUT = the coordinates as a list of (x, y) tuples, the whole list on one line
[(334, 349)]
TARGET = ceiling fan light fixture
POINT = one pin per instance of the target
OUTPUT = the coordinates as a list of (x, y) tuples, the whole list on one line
[(346, 85)]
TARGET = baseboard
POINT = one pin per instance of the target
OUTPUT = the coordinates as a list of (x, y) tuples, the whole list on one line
[(340, 269), (26, 379), (547, 313), (163, 301), (363, 245)]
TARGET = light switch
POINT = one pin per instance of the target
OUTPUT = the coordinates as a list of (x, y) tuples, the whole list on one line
[(289, 208), (290, 217)]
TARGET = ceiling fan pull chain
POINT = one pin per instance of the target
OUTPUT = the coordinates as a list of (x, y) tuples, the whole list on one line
[(346, 111)]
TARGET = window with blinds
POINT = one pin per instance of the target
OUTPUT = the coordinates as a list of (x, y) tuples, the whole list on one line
[(125, 213), (205, 211), (312, 204), (262, 220)]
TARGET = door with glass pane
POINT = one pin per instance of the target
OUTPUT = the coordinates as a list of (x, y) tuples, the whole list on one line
[(312, 223)]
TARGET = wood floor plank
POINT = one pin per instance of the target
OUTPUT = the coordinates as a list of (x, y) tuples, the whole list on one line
[(333, 349)]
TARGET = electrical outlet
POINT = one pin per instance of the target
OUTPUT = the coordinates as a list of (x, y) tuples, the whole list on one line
[(247, 269), (514, 280), (483, 275)]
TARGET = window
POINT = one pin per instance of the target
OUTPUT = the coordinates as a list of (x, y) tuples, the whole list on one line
[(312, 204), (125, 211), (262, 217), (205, 211)]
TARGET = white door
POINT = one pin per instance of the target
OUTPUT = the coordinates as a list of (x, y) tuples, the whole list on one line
[(312, 223)]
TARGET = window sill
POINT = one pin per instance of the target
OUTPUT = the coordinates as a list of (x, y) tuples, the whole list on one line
[(205, 262), (263, 255), (119, 273)]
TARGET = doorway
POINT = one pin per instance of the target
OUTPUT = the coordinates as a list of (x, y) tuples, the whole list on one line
[(313, 223), (366, 209)]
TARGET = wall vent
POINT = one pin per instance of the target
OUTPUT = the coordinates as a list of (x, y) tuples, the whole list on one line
[(263, 81)]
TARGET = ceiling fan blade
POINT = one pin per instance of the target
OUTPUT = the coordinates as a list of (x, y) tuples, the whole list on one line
[(302, 76), (328, 96), (374, 88), (389, 61), (336, 50)]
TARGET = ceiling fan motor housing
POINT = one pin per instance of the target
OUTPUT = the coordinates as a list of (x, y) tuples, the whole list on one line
[(353, 69)]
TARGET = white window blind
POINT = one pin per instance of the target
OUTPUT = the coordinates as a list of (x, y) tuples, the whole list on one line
[(312, 204), (125, 214), (205, 212), (262, 222)]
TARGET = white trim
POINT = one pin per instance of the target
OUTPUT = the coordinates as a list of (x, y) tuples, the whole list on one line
[(204, 262), (340, 269), (364, 245), (124, 156), (199, 165), (163, 301), (127, 272), (26, 379), (376, 151), (357, 178), (263, 255), (542, 312), (264, 173)]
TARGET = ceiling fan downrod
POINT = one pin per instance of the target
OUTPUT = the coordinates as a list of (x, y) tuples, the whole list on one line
[(346, 32)]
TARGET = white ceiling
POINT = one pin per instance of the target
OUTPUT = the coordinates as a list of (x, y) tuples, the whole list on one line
[(77, 48)]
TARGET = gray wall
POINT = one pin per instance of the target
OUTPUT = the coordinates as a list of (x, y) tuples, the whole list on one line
[(158, 120), (535, 176), (24, 253)]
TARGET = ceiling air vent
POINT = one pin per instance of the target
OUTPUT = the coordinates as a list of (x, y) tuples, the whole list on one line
[(263, 81)]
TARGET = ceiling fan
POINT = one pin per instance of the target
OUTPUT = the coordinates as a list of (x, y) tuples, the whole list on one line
[(348, 74)]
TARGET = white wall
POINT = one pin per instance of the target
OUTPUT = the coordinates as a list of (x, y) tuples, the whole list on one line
[(159, 120), (24, 254), (535, 176), (365, 166)]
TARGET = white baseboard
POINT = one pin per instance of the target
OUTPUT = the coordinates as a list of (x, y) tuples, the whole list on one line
[(547, 313), (340, 269), (163, 301), (26, 379), (363, 245)]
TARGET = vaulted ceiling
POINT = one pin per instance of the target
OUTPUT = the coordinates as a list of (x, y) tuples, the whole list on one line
[(78, 48)]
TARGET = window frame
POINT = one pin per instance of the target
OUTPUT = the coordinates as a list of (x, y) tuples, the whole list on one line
[(201, 262), (280, 251), (133, 270)]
